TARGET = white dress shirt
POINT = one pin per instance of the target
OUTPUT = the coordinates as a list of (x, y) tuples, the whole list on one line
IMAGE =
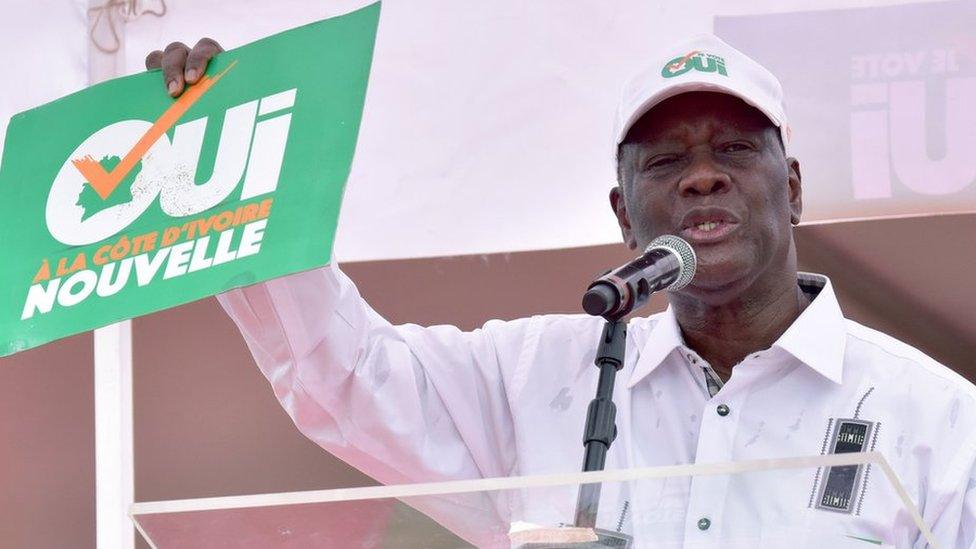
[(411, 404)]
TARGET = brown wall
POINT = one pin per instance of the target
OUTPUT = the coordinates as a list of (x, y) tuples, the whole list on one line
[(207, 424), (47, 446)]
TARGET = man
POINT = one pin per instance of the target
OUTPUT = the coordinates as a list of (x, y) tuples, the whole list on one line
[(751, 360)]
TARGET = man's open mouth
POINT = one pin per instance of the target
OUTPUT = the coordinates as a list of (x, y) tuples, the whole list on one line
[(705, 225)]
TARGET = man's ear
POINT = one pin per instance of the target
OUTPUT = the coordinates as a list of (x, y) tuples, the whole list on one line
[(796, 190), (620, 210)]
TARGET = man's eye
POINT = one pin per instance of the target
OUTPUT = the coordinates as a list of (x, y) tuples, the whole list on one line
[(736, 147), (660, 162)]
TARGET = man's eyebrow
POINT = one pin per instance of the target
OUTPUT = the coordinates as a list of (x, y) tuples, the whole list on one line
[(657, 143), (757, 133)]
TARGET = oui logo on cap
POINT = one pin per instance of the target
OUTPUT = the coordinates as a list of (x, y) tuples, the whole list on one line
[(697, 60)]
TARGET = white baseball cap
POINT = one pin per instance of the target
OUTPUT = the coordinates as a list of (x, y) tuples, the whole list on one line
[(702, 63)]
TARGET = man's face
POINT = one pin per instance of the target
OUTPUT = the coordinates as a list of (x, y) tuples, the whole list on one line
[(709, 168)]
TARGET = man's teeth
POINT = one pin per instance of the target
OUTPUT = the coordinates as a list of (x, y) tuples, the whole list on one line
[(708, 226)]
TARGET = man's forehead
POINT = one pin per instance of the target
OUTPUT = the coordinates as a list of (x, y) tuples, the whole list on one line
[(696, 112)]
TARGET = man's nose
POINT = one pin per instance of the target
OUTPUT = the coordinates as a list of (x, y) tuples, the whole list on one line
[(704, 177)]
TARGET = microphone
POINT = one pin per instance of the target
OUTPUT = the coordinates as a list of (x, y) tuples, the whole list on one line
[(668, 263)]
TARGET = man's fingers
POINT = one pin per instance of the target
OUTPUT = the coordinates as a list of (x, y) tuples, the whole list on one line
[(199, 56), (154, 60), (174, 62), (181, 65)]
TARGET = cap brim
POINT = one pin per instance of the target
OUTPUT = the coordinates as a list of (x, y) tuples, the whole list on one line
[(693, 86)]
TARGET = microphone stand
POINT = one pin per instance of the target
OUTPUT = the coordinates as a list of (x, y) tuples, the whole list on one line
[(601, 428), (668, 263)]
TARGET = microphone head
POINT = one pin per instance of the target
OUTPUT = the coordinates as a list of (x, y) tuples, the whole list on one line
[(685, 254), (600, 298)]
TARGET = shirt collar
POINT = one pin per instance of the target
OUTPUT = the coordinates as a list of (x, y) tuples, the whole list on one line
[(663, 338), (816, 338)]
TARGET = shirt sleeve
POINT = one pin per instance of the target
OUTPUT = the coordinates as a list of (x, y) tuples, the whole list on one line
[(403, 404)]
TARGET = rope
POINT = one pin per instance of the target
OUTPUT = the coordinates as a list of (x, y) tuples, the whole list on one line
[(129, 10)]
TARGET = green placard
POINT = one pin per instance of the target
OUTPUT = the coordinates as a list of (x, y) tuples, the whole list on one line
[(118, 201)]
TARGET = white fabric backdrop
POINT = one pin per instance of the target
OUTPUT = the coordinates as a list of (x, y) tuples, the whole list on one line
[(487, 125), (43, 53)]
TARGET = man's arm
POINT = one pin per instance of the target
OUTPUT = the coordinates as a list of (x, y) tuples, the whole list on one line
[(404, 403), (948, 504), (401, 403)]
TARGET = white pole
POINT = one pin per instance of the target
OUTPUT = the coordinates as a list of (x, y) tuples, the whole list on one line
[(114, 478), (114, 484)]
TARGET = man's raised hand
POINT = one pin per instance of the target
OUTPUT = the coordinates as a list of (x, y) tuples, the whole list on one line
[(182, 65)]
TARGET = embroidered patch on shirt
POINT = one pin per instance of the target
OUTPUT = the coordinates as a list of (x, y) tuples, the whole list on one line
[(840, 483)]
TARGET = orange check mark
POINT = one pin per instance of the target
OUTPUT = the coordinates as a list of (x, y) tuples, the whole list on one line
[(105, 182), (677, 65)]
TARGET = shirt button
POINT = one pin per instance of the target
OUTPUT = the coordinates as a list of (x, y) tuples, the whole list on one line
[(704, 524), (722, 410)]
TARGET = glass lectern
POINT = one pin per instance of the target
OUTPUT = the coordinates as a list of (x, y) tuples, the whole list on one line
[(793, 503)]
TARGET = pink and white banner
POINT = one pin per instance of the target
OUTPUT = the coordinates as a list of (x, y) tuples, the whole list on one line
[(487, 124), (882, 102)]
